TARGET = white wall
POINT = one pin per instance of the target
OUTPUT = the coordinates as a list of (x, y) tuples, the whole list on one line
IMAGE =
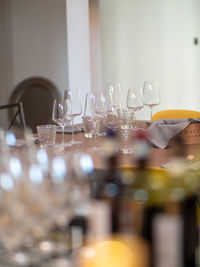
[(39, 40), (95, 45), (78, 47), (153, 39)]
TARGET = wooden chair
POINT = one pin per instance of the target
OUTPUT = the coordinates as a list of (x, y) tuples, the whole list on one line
[(18, 113), (176, 114)]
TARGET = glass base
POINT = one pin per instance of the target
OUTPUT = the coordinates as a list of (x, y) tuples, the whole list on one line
[(125, 151), (93, 149), (102, 134), (89, 135), (61, 145), (75, 142)]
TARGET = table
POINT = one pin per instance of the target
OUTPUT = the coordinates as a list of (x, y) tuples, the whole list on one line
[(157, 158)]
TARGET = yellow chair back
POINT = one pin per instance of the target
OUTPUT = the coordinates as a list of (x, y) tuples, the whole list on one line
[(176, 114)]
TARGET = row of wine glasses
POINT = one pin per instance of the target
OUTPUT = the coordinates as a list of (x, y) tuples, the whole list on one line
[(137, 98), (103, 106), (149, 96), (109, 103)]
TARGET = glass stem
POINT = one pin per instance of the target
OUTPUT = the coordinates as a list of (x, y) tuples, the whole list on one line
[(63, 129), (151, 113), (96, 131), (134, 116), (95, 140), (72, 129)]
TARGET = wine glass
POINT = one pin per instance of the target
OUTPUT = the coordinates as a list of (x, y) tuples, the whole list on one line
[(76, 109), (100, 107), (113, 105), (134, 100), (62, 114), (151, 94), (113, 93), (91, 116)]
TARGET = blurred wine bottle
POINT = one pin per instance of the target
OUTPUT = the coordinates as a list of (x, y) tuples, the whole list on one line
[(173, 230), (109, 186), (136, 189), (160, 205), (108, 246)]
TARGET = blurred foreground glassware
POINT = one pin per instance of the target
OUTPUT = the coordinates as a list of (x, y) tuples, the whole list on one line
[(62, 114), (38, 195), (151, 94), (76, 109), (32, 202)]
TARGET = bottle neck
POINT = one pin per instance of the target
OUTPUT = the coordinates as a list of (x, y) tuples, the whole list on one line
[(142, 163), (112, 162)]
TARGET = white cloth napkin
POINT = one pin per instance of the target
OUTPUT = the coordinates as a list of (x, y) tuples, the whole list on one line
[(161, 131)]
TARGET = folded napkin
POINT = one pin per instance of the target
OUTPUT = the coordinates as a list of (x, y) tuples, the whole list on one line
[(161, 131)]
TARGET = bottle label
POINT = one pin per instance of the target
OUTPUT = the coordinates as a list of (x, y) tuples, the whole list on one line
[(99, 220), (167, 240)]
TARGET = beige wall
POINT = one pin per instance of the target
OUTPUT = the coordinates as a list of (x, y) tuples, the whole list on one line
[(153, 39)]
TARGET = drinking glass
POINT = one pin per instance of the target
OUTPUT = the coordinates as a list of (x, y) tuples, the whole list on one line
[(76, 109), (126, 136), (46, 134), (151, 94), (134, 100), (113, 105), (94, 125), (62, 114)]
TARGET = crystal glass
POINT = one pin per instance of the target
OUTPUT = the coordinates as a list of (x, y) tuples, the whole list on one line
[(151, 94), (126, 136), (94, 124), (76, 109), (62, 114), (87, 127), (46, 134), (127, 117)]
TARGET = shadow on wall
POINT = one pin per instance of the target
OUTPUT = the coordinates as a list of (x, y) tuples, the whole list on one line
[(37, 95)]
